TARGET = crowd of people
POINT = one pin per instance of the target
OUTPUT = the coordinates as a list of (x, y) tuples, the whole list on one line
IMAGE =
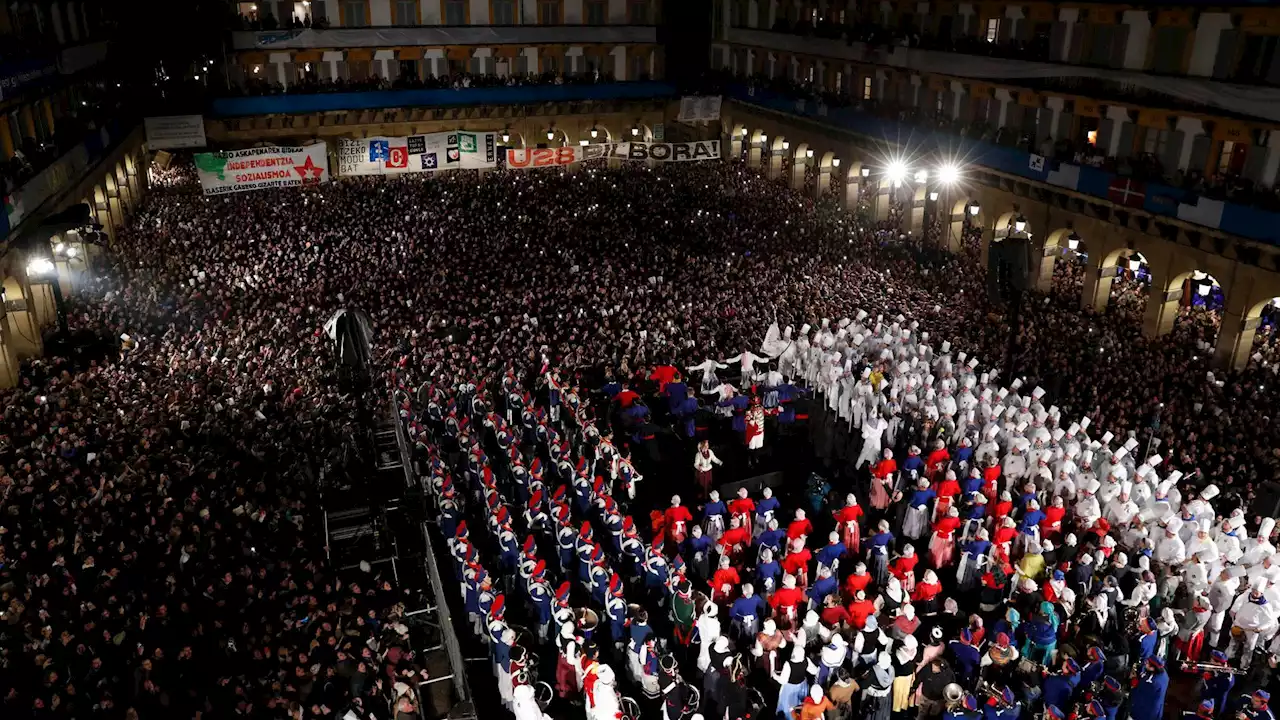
[(161, 546)]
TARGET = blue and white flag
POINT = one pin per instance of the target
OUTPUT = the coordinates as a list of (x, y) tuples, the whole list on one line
[(379, 150)]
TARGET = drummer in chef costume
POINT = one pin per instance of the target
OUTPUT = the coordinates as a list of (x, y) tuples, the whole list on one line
[(916, 520), (708, 627), (525, 704)]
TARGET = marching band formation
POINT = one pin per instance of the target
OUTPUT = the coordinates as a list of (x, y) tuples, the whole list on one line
[(1008, 565)]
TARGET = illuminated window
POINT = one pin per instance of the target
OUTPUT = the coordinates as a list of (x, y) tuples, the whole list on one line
[(839, 80), (1224, 159), (993, 29), (866, 88), (1092, 137)]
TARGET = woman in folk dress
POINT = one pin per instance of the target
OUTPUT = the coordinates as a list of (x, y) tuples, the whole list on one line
[(755, 425), (848, 518), (883, 481), (942, 547)]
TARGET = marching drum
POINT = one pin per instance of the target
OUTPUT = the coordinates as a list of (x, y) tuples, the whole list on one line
[(588, 621), (630, 709)]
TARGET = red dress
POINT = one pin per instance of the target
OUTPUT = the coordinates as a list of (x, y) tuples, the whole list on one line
[(904, 568), (859, 611), (947, 491), (724, 576), (738, 537), (785, 603), (854, 583), (881, 485), (850, 533), (799, 528), (937, 462), (942, 547), (797, 563), (743, 509), (1051, 526), (677, 521)]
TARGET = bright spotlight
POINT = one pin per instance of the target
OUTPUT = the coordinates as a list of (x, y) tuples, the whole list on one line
[(933, 196), (72, 251), (40, 267), (896, 172), (948, 174)]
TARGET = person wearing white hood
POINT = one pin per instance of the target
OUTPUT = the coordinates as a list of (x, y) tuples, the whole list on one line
[(793, 681), (877, 686), (600, 687), (708, 625), (525, 704), (833, 655), (872, 435), (862, 402)]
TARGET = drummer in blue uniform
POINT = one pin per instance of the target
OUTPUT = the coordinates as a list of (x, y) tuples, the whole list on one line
[(1216, 685), (1060, 686), (1094, 668), (1111, 698), (1258, 707), (1203, 711), (1003, 706), (966, 710), (1146, 700)]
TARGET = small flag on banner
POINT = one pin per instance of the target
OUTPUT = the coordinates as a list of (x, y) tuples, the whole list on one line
[(1127, 192), (398, 157), (429, 161), (379, 150), (1037, 163)]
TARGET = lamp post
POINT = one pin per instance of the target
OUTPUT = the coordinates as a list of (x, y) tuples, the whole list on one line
[(43, 269)]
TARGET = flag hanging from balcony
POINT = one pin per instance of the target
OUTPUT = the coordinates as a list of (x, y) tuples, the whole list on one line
[(1037, 163), (1127, 192)]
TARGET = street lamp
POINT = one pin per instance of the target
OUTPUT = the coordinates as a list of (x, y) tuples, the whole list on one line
[(835, 162), (43, 269), (1203, 289), (786, 145), (933, 196), (866, 171), (506, 138), (808, 154), (551, 134), (1073, 241), (636, 131), (1019, 224), (948, 174), (594, 133), (922, 177), (1134, 263), (974, 207)]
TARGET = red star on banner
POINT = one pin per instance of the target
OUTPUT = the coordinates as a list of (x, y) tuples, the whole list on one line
[(309, 167)]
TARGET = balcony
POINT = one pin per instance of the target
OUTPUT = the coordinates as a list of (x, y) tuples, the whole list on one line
[(443, 35), (1243, 100), (1210, 209), (292, 104)]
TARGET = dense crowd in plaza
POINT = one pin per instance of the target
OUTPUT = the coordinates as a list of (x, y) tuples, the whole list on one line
[(160, 549)]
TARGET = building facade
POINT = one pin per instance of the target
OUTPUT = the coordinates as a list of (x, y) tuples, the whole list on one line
[(410, 43)]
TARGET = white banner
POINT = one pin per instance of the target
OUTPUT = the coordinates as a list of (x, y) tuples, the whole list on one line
[(456, 150), (264, 167), (695, 108), (659, 152), (175, 131)]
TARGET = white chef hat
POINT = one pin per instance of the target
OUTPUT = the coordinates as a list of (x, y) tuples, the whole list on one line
[(1210, 492)]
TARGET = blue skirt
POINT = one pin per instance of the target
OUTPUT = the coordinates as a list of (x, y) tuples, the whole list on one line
[(790, 697)]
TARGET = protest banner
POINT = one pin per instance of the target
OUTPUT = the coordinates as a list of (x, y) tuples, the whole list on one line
[(262, 167), (453, 150)]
